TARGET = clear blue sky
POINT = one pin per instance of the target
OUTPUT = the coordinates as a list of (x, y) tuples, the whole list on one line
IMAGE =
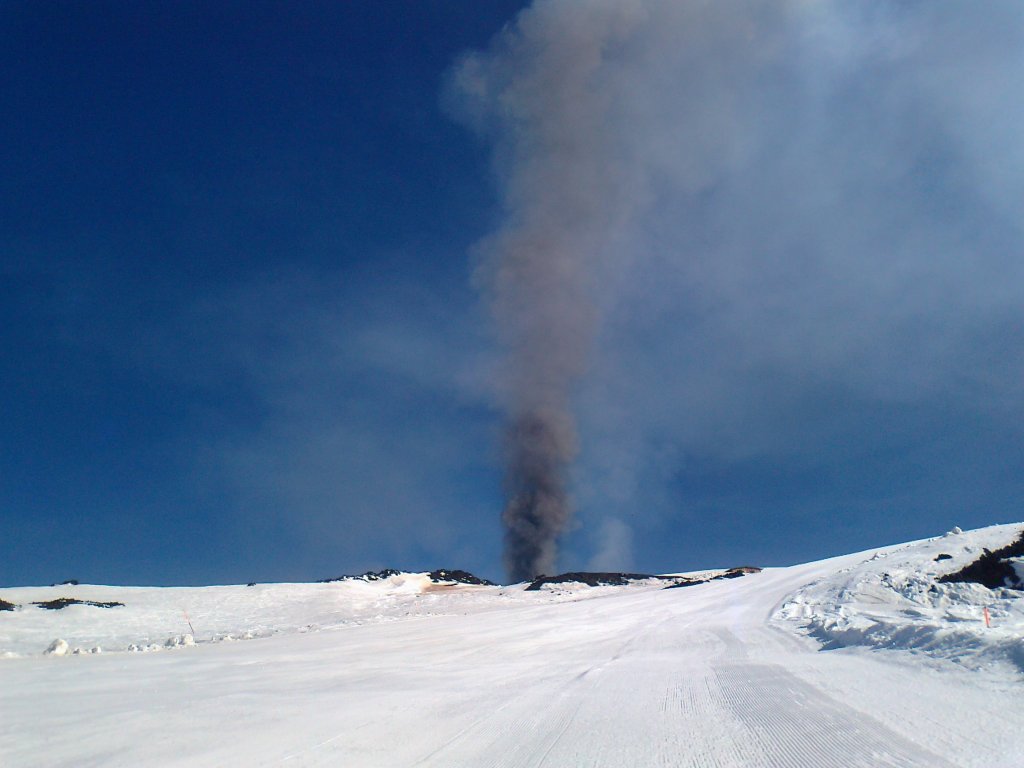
[(239, 339)]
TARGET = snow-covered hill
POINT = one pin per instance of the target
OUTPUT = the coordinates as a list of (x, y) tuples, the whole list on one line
[(862, 660), (148, 619)]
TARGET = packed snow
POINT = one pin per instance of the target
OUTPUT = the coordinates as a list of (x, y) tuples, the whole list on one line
[(861, 660)]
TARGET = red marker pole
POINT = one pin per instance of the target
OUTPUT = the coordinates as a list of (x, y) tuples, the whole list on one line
[(185, 613), (988, 619)]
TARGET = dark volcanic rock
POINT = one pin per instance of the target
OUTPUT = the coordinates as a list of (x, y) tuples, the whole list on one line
[(5, 606), (942, 556), (438, 576), (68, 583), (591, 579), (620, 579), (462, 577), (64, 602), (992, 569), (687, 583), (387, 573), (732, 573)]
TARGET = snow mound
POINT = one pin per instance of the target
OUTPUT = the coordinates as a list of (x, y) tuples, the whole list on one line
[(897, 599), (57, 648)]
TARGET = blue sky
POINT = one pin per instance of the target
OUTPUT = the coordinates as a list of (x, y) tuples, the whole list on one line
[(240, 336)]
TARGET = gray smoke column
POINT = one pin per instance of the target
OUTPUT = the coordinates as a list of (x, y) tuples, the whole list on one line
[(740, 234), (535, 94)]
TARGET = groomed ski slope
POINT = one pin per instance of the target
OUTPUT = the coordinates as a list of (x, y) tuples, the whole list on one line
[(711, 675)]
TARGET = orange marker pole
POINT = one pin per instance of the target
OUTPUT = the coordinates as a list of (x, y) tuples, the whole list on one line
[(185, 614), (988, 619)]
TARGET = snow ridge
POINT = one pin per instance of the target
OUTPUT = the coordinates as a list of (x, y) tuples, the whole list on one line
[(896, 599)]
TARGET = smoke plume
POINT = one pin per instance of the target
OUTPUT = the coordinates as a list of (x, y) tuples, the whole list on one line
[(537, 95), (739, 231)]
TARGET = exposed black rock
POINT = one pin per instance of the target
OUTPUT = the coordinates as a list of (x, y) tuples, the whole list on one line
[(440, 575), (943, 556), (591, 579), (462, 577), (64, 602), (620, 579), (387, 573), (251, 584), (687, 583), (5, 606), (732, 573), (68, 583), (992, 569)]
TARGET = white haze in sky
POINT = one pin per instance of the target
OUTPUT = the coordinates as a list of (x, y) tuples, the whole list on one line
[(743, 229)]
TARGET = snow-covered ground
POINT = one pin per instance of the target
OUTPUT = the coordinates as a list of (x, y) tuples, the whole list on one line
[(407, 672)]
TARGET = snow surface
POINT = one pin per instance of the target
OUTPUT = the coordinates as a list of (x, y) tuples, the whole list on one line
[(405, 672)]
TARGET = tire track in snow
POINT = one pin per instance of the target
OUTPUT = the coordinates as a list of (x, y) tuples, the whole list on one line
[(712, 738), (529, 729), (693, 698), (520, 733), (795, 725), (653, 706)]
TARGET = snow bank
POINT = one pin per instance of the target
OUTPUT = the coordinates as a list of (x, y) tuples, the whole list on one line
[(894, 600)]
